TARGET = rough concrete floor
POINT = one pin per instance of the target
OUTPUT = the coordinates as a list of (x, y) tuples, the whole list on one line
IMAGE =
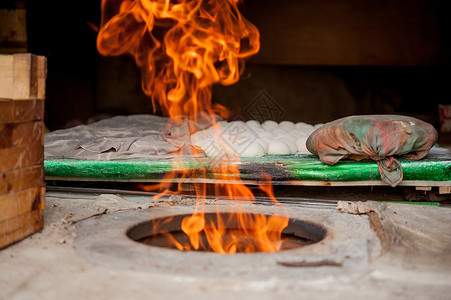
[(48, 266)]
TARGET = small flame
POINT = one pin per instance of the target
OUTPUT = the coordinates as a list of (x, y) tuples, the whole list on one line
[(183, 47)]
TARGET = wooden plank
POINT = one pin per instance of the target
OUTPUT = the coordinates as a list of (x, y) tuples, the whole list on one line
[(424, 188), (413, 183), (18, 111), (17, 204), (444, 190), (21, 179), (41, 74), (17, 228), (22, 76), (6, 76), (21, 157), (18, 134)]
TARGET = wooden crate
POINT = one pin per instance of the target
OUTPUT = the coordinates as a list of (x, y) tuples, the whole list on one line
[(22, 192)]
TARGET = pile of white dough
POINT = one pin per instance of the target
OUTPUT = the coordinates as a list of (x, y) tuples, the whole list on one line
[(253, 139)]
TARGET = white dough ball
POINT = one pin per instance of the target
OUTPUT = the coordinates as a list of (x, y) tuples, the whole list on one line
[(222, 123), (257, 130), (211, 151), (264, 133), (301, 145), (309, 131), (267, 138), (288, 135), (237, 123), (278, 147), (253, 150), (262, 143), (291, 144), (301, 125), (270, 125), (278, 132), (298, 134), (214, 131), (199, 136), (287, 124), (253, 124), (319, 125), (208, 146)]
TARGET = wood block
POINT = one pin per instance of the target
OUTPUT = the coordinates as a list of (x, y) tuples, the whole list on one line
[(423, 188), (18, 134), (17, 111), (17, 228), (21, 157), (21, 180), (22, 196), (444, 190), (22, 76), (13, 205)]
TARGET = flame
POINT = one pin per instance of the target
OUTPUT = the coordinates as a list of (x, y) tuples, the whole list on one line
[(182, 48)]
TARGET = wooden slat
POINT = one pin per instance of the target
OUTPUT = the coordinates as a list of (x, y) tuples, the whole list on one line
[(14, 205), (21, 157), (21, 85), (413, 183), (18, 134), (17, 228), (6, 76), (444, 190), (21, 179), (41, 73), (20, 110), (22, 76)]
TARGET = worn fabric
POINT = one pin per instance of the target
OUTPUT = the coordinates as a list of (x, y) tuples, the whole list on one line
[(382, 138), (126, 137), (120, 137)]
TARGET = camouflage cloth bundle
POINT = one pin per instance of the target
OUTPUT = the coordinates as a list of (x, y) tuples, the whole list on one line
[(377, 137)]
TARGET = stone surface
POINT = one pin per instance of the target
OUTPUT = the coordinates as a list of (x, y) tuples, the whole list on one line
[(51, 265)]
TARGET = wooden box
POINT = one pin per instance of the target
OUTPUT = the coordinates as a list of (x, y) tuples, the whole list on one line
[(22, 192)]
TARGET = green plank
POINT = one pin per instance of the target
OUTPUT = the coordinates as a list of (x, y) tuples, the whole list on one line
[(280, 167)]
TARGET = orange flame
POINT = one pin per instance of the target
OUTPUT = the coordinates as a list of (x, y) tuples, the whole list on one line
[(183, 47)]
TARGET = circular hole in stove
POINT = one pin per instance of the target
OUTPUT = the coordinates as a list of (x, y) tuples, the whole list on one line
[(162, 232)]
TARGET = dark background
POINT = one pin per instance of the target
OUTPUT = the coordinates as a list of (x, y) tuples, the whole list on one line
[(320, 60)]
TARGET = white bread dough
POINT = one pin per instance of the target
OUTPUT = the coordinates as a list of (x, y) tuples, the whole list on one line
[(253, 150), (278, 147), (301, 145), (252, 139)]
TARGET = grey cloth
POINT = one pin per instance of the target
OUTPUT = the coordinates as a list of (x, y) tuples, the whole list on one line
[(120, 137)]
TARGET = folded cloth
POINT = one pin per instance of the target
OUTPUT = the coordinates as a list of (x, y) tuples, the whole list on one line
[(381, 138), (120, 137)]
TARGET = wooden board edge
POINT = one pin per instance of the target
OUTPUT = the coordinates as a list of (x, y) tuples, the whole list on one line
[(13, 205), (413, 183), (21, 157), (20, 227), (21, 179), (24, 76)]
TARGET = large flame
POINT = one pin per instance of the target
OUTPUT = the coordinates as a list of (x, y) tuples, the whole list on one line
[(183, 47)]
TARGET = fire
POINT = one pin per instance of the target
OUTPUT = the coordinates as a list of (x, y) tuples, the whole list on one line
[(183, 47)]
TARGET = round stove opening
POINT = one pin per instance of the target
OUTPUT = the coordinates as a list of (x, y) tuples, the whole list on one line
[(166, 232)]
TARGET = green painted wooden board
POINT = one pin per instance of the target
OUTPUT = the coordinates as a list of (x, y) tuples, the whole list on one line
[(282, 168)]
